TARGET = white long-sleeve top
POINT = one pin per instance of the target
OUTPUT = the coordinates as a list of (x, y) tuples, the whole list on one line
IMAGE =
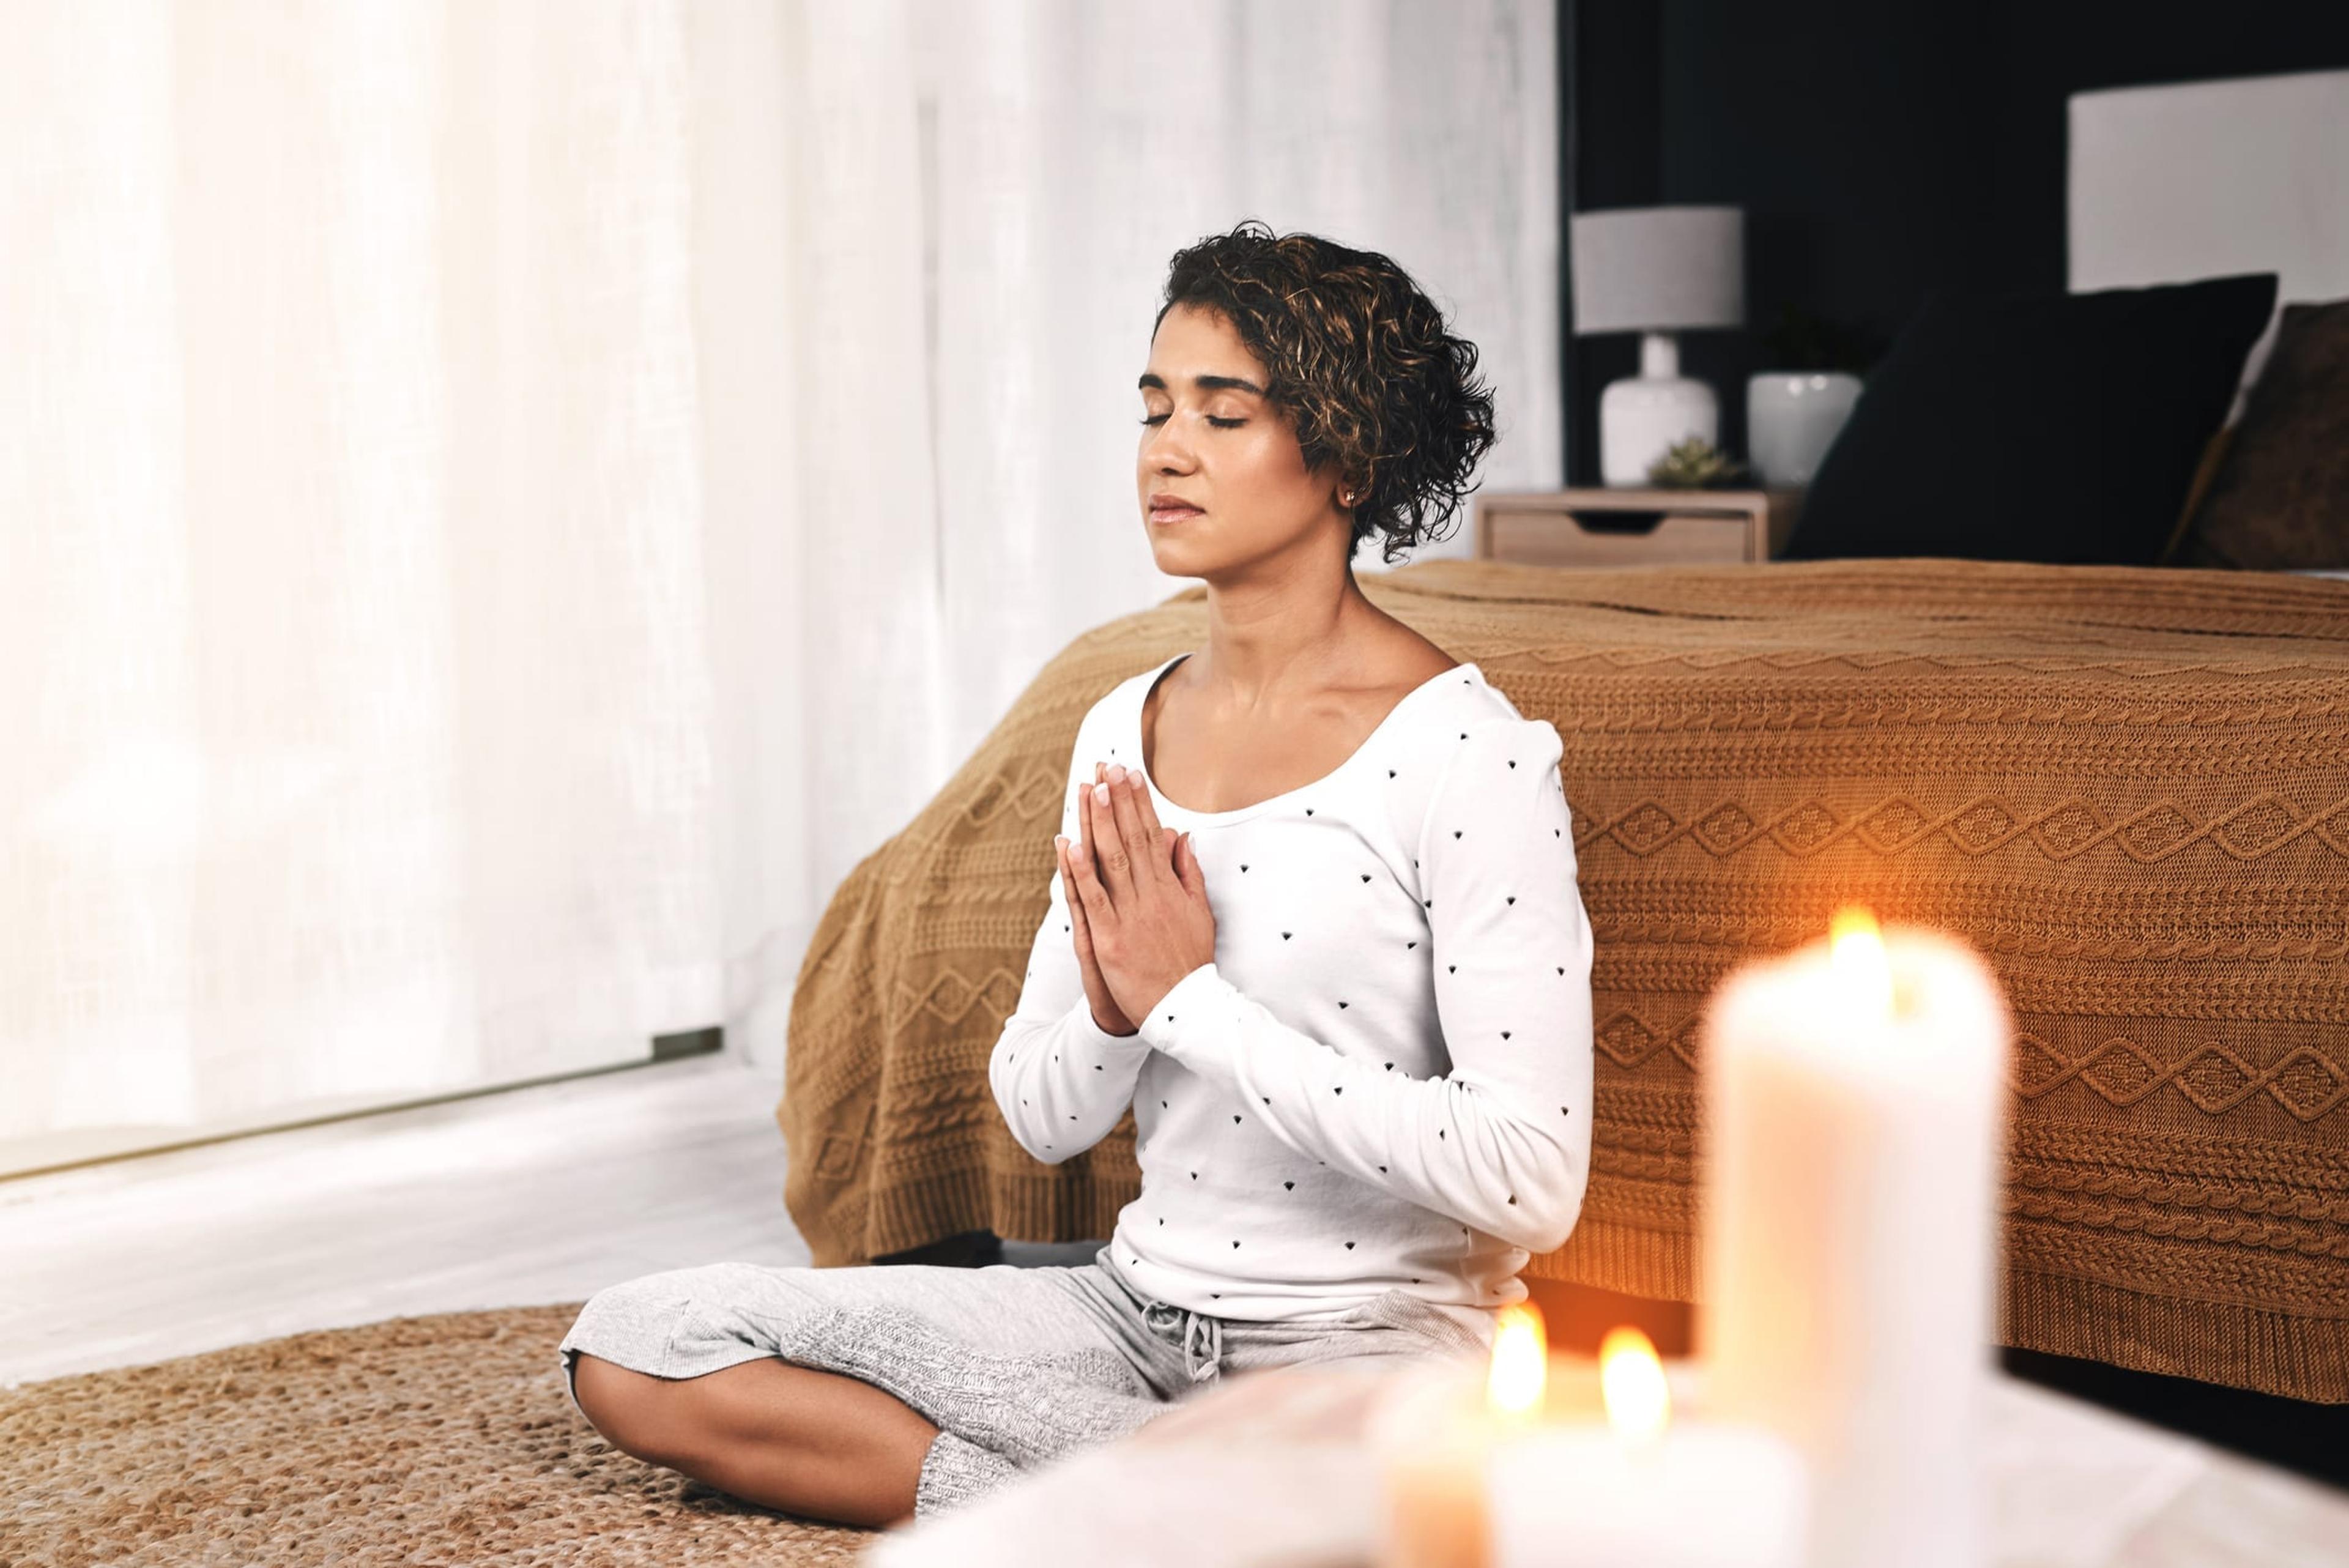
[(1383, 1080)]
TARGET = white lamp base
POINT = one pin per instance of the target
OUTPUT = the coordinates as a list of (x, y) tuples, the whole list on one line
[(1641, 417)]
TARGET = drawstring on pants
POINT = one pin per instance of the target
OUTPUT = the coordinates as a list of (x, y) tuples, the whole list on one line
[(1203, 1337)]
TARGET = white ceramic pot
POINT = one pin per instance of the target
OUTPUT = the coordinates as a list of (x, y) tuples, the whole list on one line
[(1792, 417)]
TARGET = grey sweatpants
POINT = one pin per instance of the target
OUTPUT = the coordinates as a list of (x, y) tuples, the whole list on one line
[(1014, 1367)]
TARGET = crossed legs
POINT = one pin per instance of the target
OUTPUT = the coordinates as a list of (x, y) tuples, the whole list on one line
[(821, 1445), (865, 1394)]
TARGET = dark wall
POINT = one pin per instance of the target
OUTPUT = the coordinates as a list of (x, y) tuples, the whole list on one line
[(1879, 149)]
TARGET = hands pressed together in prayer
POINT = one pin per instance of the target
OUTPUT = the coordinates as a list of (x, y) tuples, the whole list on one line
[(1137, 900)]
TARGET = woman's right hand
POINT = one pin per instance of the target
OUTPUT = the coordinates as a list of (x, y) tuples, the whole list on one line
[(1105, 1010)]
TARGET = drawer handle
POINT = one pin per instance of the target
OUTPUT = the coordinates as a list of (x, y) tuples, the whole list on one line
[(1617, 522)]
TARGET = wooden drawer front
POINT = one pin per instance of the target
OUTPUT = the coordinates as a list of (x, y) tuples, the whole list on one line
[(1552, 538)]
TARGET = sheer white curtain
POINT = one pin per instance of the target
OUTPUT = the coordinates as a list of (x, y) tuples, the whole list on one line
[(502, 505)]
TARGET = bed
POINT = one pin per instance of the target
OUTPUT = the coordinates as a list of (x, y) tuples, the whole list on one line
[(2127, 786)]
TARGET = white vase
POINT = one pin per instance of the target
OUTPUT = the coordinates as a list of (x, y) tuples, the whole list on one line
[(1792, 417), (1642, 417)]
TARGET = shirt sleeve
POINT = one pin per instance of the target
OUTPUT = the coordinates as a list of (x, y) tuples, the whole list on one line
[(1503, 1141), (1062, 1081)]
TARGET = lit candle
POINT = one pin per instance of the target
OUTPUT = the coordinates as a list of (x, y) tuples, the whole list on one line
[(1853, 1093), (1532, 1460), (1640, 1490), (1432, 1437)]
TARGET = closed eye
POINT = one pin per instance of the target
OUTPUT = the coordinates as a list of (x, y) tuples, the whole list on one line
[(1219, 424)]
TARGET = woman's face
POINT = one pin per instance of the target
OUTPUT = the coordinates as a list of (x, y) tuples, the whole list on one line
[(1211, 440)]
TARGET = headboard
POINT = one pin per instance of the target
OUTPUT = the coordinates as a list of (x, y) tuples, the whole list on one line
[(2166, 184)]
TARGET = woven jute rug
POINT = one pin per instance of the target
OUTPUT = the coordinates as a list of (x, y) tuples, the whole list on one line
[(419, 1440)]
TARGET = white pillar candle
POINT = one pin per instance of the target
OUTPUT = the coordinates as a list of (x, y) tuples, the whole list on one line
[(1644, 1488), (1430, 1440), (1853, 1096), (1434, 1433), (1698, 1496)]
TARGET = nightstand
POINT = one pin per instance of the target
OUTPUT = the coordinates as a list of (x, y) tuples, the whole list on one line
[(1634, 527)]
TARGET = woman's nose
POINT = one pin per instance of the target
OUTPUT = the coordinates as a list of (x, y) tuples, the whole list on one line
[(1165, 445)]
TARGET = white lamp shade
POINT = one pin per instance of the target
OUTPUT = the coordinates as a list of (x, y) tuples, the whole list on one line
[(1659, 269)]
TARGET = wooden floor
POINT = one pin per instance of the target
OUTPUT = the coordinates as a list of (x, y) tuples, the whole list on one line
[(536, 1194), (546, 1194)]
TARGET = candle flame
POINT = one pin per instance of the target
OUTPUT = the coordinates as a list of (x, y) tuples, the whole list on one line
[(1638, 1402), (1520, 1373), (1856, 954)]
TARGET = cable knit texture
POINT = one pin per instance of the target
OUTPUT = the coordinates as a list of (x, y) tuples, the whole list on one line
[(2127, 786), (1018, 1406), (955, 1471)]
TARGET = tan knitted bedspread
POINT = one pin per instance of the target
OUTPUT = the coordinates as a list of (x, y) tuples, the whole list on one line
[(2128, 786)]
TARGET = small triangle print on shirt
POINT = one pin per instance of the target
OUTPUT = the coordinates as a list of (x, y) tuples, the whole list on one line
[(1262, 1035)]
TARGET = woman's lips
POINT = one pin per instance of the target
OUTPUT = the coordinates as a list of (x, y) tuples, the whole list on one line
[(1162, 514)]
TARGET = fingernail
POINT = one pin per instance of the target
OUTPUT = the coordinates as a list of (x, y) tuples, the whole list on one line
[(1117, 772), (1100, 794)]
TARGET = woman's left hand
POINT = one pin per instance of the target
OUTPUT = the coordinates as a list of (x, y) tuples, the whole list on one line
[(1146, 911)]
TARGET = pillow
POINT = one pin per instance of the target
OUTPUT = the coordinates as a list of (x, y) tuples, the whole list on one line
[(2054, 428), (2214, 452), (2279, 499)]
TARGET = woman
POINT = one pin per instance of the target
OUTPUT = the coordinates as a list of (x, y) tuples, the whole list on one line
[(1315, 920)]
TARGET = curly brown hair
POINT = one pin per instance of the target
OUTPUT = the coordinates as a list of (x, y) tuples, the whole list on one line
[(1358, 362)]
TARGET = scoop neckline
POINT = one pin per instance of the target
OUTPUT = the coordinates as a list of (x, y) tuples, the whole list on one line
[(1144, 686)]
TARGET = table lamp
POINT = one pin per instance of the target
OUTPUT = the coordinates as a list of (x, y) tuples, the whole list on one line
[(1656, 271)]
